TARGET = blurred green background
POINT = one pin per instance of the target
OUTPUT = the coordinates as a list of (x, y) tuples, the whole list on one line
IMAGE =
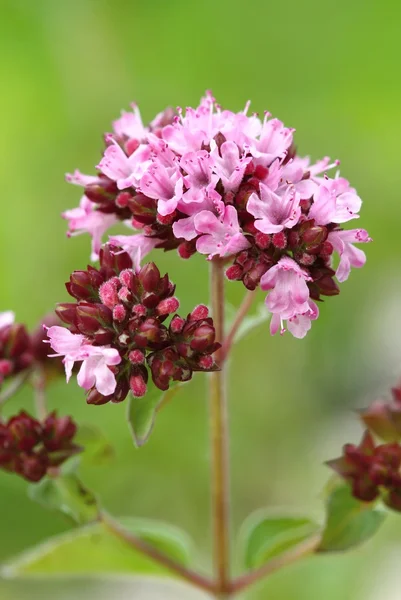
[(332, 71)]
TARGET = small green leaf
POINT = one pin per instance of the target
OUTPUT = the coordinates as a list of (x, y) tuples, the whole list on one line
[(93, 550), (96, 447), (267, 536), (66, 493), (349, 521), (142, 412)]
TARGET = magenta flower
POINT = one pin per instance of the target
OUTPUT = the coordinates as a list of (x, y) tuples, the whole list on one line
[(289, 297), (124, 170), (226, 184), (130, 124), (335, 202), (137, 246), (350, 256), (273, 213), (229, 166), (86, 219), (222, 237), (164, 184), (96, 360)]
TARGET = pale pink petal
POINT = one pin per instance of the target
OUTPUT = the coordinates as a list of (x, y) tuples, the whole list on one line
[(6, 318)]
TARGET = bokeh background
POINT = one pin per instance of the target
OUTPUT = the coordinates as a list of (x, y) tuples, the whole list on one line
[(332, 71)]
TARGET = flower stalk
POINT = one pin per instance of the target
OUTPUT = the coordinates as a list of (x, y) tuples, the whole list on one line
[(219, 441)]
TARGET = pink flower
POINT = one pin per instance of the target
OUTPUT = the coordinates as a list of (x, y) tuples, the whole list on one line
[(96, 360), (274, 141), (222, 236), (137, 246), (273, 212), (229, 167), (200, 178), (78, 178), (185, 228), (335, 202), (350, 256), (130, 124), (125, 171), (86, 218), (289, 297), (164, 184), (299, 325), (6, 318)]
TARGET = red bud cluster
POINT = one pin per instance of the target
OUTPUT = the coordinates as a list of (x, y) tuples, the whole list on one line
[(29, 447), (128, 310), (15, 350), (373, 471)]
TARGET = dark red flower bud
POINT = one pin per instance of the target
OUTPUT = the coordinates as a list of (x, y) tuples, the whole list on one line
[(149, 277), (113, 260), (58, 432), (32, 467), (25, 431), (234, 273), (167, 306), (198, 313), (261, 172), (92, 317), (279, 240)]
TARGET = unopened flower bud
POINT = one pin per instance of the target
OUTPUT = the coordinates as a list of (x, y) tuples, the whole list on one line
[(199, 313), (136, 357), (167, 306), (279, 240), (119, 313), (234, 273), (138, 386)]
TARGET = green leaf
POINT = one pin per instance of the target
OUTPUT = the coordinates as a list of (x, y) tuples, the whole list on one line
[(267, 536), (349, 521), (93, 550), (66, 493), (142, 411), (96, 447)]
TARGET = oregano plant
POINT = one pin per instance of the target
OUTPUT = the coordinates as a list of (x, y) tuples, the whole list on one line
[(231, 187)]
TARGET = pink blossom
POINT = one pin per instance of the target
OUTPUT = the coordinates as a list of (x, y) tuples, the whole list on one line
[(164, 184), (290, 294), (124, 170), (199, 178), (222, 236), (185, 228), (6, 318), (130, 124), (87, 219), (350, 256), (137, 246), (229, 167), (96, 360), (273, 212), (274, 141), (78, 178), (335, 202), (299, 325)]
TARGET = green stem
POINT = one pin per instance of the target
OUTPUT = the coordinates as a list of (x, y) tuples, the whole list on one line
[(301, 551), (144, 548), (241, 314), (39, 385), (219, 442)]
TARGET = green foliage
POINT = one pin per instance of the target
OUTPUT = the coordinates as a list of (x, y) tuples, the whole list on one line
[(350, 522), (141, 412), (67, 494), (93, 550), (97, 448), (266, 537)]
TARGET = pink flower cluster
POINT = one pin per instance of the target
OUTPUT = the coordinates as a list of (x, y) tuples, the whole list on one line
[(229, 186)]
